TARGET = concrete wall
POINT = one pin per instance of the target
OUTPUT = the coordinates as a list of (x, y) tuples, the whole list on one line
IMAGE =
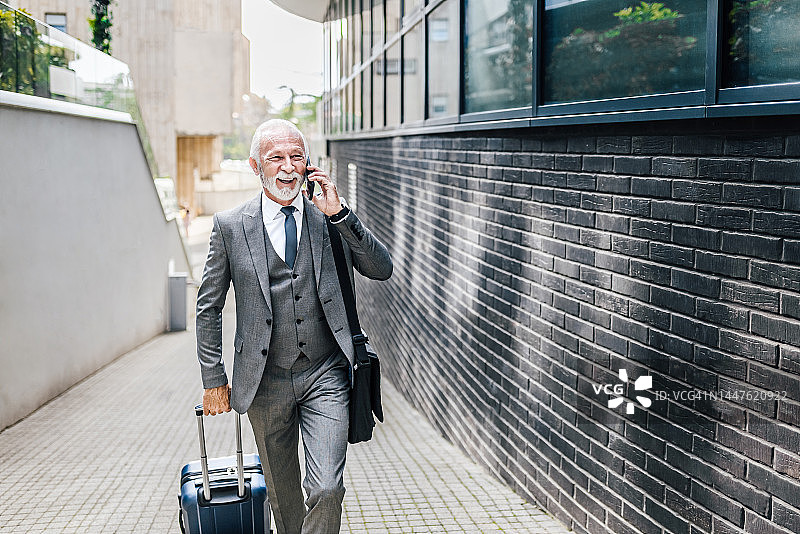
[(532, 266), (83, 273)]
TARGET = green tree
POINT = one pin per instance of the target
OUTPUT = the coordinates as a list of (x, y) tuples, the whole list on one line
[(101, 25)]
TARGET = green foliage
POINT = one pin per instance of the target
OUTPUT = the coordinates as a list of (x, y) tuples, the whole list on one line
[(643, 53), (8, 53), (101, 25), (23, 55), (645, 12)]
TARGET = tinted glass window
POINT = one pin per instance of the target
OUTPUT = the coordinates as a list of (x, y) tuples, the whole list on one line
[(377, 25), (597, 49), (762, 42), (377, 92), (498, 52), (393, 85), (443, 40), (413, 74)]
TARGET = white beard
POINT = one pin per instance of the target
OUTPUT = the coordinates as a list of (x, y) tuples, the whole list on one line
[(282, 193)]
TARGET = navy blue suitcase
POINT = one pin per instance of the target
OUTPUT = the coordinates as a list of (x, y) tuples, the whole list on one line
[(223, 495)]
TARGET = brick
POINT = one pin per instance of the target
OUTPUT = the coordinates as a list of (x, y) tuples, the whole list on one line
[(651, 144), (718, 503), (783, 224), (754, 146), (694, 330), (727, 218), (719, 456), (777, 171), (674, 167), (748, 347), (791, 251), (671, 254), (672, 522), (651, 229), (598, 163), (667, 474), (791, 198), (687, 509), (787, 463), (543, 161), (789, 412), (568, 163), (649, 315), (613, 184), (750, 295), (649, 271), (696, 191), (673, 211), (793, 145), (631, 165), (786, 517), (753, 195), (630, 246), (697, 145), (775, 275), (721, 264), (775, 433), (722, 313), (693, 236), (756, 523), (775, 380), (752, 245), (740, 441), (725, 169), (554, 144), (613, 145), (632, 206), (775, 328), (789, 359), (651, 187), (735, 391), (782, 487), (667, 299), (581, 144), (721, 526), (670, 344), (692, 282), (723, 363), (639, 520)]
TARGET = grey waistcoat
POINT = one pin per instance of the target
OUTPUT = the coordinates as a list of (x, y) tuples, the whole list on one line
[(298, 323)]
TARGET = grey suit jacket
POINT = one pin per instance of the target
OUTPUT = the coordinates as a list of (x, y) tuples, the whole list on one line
[(237, 254)]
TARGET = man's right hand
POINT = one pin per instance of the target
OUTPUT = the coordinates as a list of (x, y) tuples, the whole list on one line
[(217, 400)]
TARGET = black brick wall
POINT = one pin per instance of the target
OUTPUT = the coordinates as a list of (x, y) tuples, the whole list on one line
[(531, 266)]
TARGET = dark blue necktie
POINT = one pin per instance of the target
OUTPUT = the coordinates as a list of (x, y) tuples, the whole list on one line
[(290, 226)]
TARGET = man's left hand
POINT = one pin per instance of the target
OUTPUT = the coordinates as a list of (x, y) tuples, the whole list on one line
[(325, 197)]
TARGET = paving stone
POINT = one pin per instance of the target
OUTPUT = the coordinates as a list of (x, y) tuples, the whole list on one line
[(105, 456)]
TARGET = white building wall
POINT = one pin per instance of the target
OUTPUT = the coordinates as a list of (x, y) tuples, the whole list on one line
[(86, 249)]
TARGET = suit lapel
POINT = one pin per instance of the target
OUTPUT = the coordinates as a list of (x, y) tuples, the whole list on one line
[(316, 232), (253, 222)]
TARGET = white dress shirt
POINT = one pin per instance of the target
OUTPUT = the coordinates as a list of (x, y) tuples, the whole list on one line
[(274, 220)]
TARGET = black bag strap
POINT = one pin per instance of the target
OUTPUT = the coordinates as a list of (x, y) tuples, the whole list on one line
[(359, 339)]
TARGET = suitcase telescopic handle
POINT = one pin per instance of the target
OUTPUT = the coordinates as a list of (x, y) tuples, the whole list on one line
[(198, 410)]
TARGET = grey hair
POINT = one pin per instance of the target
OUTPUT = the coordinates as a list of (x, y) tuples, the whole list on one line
[(272, 126)]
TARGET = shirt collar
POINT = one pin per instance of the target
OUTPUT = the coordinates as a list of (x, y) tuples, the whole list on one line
[(271, 209)]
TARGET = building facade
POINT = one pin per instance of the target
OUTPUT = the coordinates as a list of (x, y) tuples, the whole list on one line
[(593, 207), (190, 64)]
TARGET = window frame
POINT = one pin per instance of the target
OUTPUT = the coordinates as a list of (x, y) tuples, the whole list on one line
[(710, 100)]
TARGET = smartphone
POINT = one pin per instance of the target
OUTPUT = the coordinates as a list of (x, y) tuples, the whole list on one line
[(309, 183)]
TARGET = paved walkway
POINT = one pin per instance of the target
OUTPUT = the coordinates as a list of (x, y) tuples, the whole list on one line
[(105, 456)]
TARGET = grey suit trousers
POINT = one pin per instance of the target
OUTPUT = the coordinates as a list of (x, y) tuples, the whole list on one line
[(314, 399)]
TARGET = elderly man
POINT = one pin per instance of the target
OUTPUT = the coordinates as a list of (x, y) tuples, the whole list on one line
[(293, 348)]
